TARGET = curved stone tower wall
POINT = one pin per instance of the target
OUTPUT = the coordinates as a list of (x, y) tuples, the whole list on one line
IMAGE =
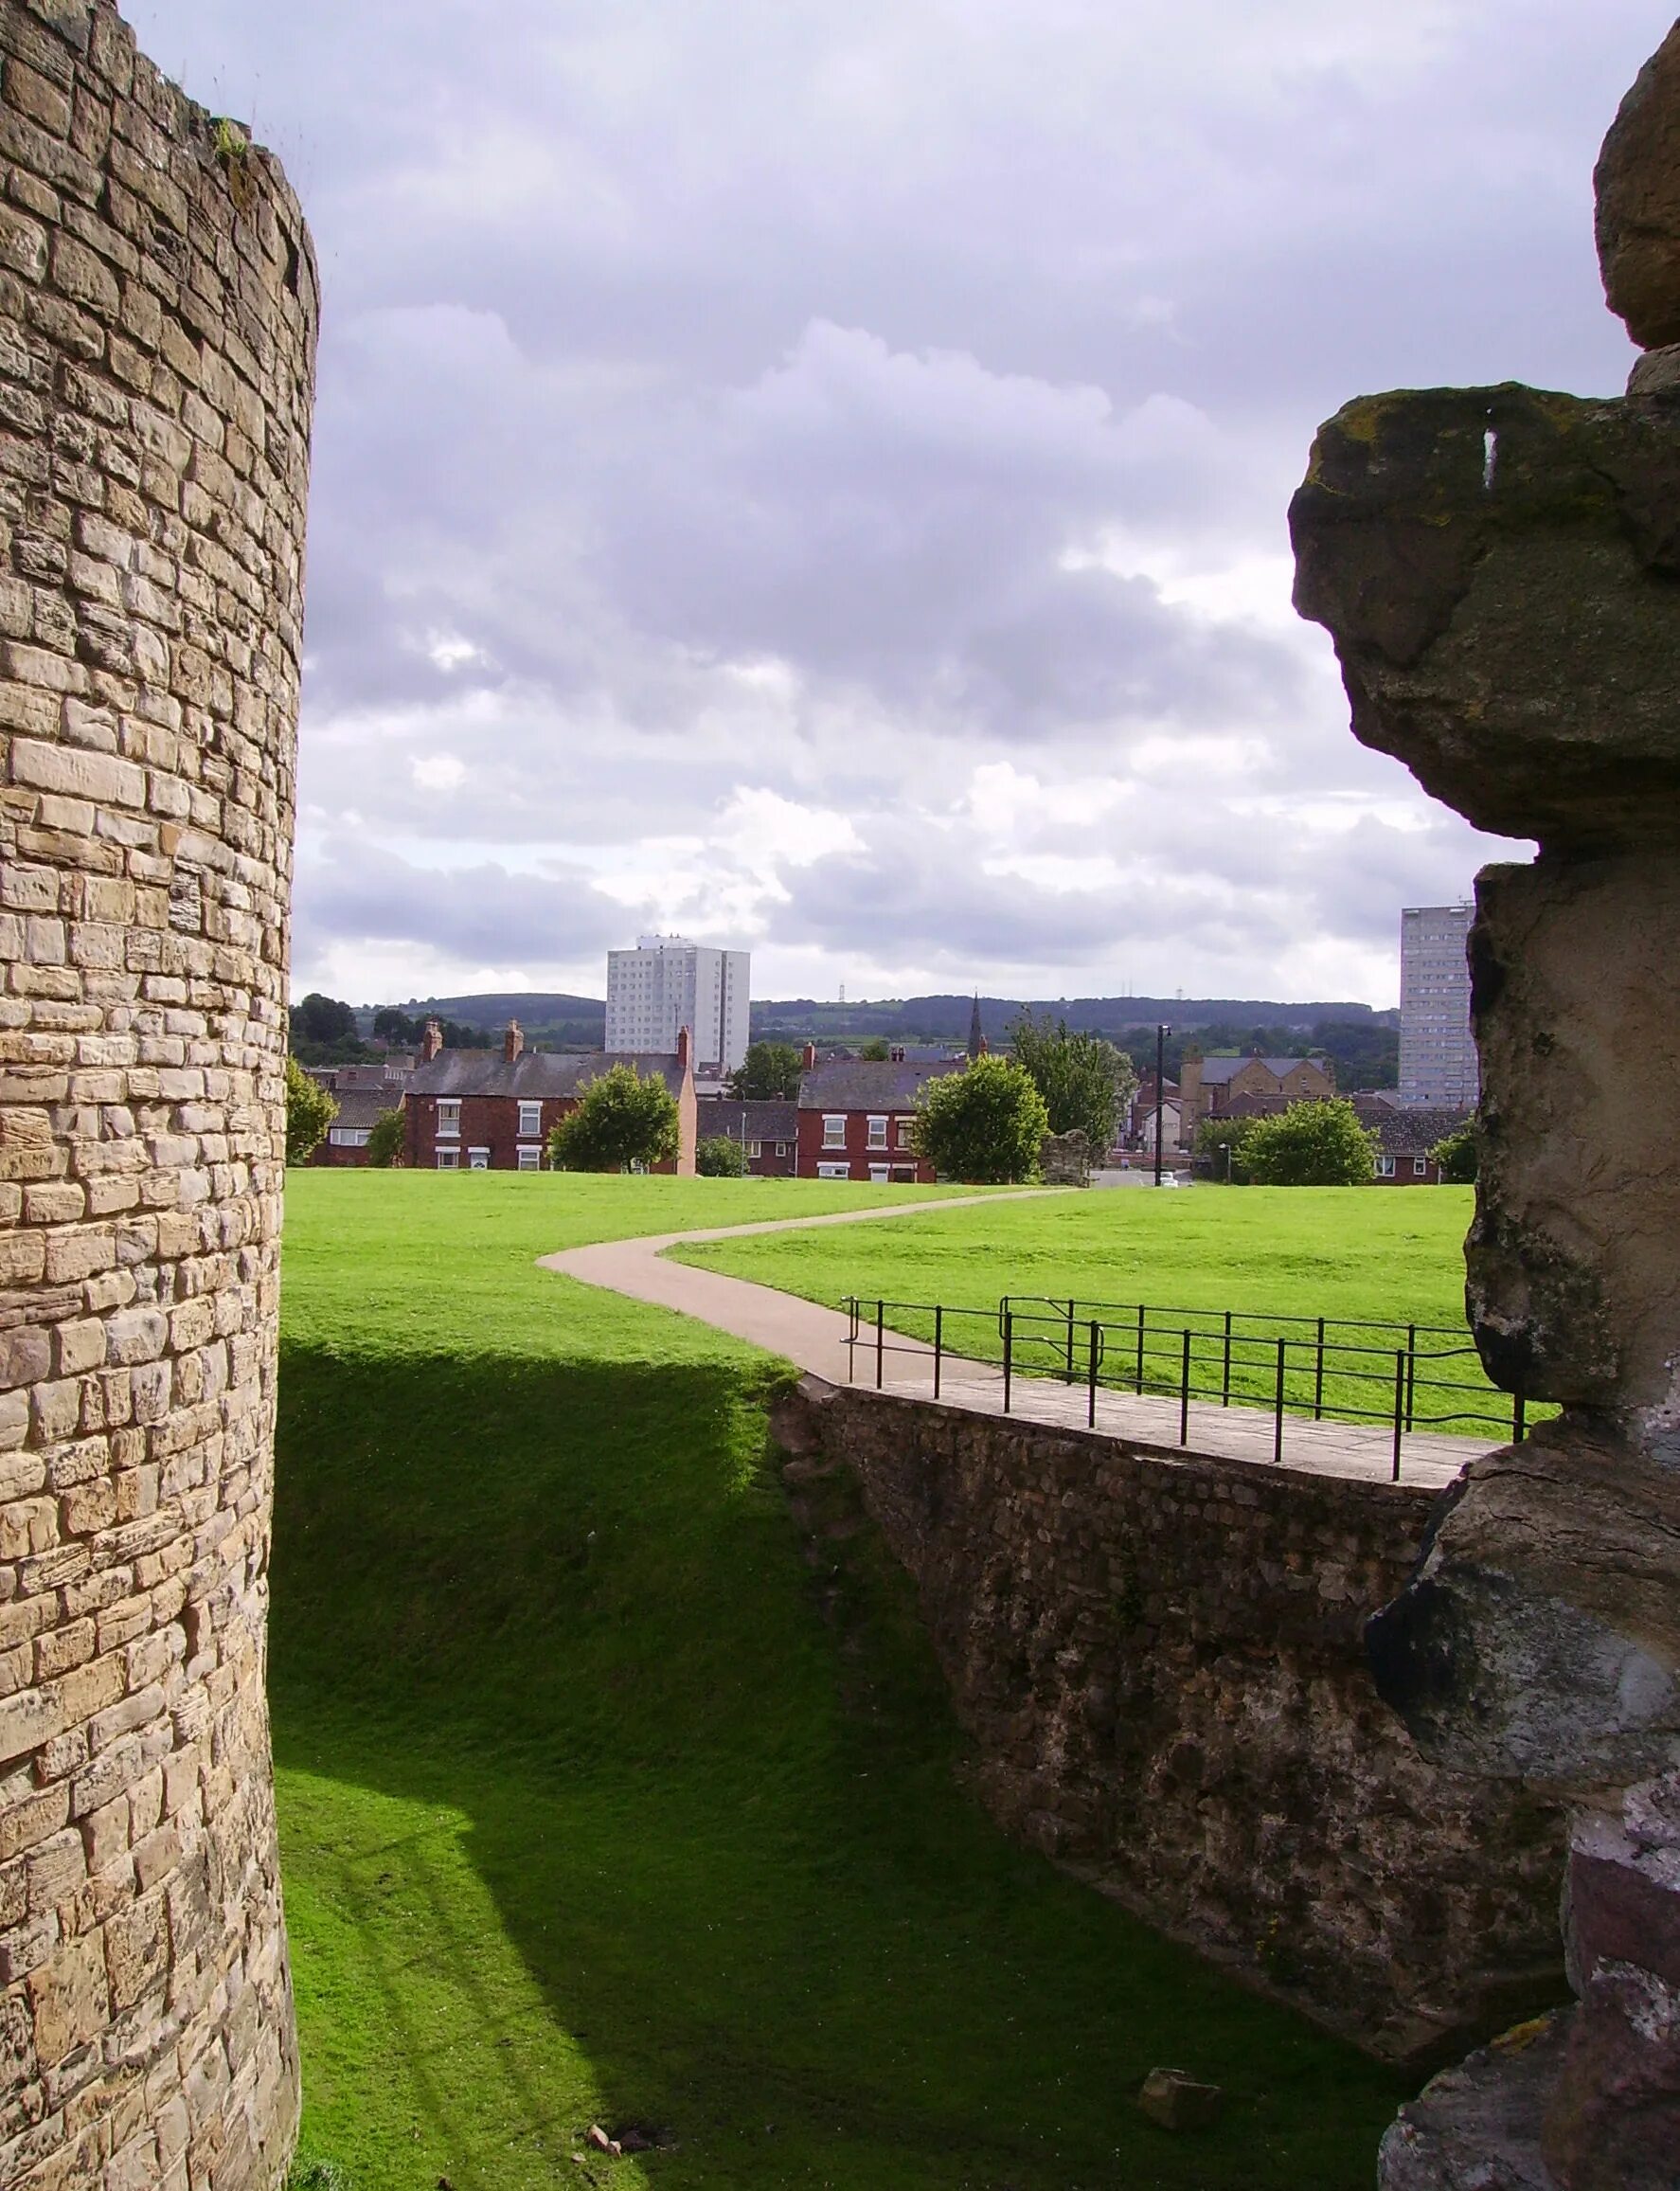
[(157, 322)]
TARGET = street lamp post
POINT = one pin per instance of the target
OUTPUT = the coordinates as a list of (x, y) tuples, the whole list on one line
[(1161, 1034)]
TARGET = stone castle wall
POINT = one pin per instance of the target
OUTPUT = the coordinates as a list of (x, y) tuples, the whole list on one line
[(157, 322), (1159, 1659)]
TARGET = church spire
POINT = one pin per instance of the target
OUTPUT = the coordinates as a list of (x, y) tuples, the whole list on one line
[(976, 1033)]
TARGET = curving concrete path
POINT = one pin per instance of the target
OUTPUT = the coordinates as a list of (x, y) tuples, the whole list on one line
[(815, 1340)]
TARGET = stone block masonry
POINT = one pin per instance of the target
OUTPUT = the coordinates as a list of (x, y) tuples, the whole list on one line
[(1159, 1661), (157, 329)]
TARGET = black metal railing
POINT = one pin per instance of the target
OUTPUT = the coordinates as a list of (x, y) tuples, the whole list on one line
[(1407, 1377)]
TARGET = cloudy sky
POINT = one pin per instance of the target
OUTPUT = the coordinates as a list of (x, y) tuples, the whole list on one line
[(813, 473)]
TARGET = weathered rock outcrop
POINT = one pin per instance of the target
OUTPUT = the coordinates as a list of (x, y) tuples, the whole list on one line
[(1500, 569), (157, 328)]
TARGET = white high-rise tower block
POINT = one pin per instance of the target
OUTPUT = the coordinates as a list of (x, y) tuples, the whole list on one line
[(1437, 1060), (668, 983)]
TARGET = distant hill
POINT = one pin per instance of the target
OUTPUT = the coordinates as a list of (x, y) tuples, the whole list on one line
[(580, 1022)]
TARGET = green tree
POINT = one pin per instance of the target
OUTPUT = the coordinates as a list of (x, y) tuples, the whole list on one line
[(876, 1049), (719, 1156), (623, 1120), (392, 1024), (984, 1123), (1458, 1155), (1311, 1144), (386, 1138), (1083, 1079), (1222, 1146), (310, 1110), (319, 1018), (770, 1073)]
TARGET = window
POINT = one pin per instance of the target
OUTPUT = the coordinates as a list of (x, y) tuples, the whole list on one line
[(878, 1175), (755, 1148), (1419, 1167), (834, 1170), (902, 1136), (478, 1160), (530, 1122), (530, 1160), (346, 1136), (833, 1131), (1385, 1167), (449, 1159), (782, 1148), (448, 1116), (878, 1133), (906, 1172)]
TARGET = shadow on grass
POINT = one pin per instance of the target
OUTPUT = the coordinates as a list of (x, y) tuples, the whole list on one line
[(586, 1813)]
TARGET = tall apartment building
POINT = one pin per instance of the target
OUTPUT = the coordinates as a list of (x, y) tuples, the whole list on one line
[(1437, 1060), (668, 983)]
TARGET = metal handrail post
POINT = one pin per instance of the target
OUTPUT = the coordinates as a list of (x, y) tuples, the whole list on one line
[(1401, 1404), (880, 1344), (1091, 1396), (1184, 1392), (1140, 1313), (1318, 1379), (1225, 1397), (1009, 1348), (1070, 1309), (939, 1346), (1277, 1406), (1411, 1375)]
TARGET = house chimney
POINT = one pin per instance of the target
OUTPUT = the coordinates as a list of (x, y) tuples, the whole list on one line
[(514, 1041), (896, 1053), (431, 1042), (809, 1061)]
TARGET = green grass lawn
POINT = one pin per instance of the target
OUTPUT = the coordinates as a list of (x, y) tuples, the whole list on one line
[(585, 1812), (1350, 1253)]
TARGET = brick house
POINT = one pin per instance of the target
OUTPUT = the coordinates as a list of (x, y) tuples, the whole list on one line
[(345, 1140), (484, 1110), (767, 1131), (1405, 1138), (855, 1116), (1218, 1088)]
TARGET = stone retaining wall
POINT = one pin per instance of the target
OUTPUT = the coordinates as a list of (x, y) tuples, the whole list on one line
[(157, 325), (1159, 1661)]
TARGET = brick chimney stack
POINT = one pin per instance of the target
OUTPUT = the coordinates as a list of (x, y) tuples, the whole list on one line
[(683, 1049), (431, 1042), (514, 1041), (809, 1061)]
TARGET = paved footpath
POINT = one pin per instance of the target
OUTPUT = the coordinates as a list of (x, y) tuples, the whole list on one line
[(816, 1339)]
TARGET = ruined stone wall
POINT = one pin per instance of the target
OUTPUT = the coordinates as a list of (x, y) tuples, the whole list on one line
[(158, 319), (1159, 1659)]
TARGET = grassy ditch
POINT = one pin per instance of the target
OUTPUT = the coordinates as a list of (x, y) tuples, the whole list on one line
[(588, 1815)]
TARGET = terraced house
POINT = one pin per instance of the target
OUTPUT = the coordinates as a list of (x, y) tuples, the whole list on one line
[(484, 1110), (855, 1116)]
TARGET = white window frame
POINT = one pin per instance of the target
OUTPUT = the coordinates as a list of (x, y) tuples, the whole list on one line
[(449, 1117), (877, 1134), (531, 1120), (530, 1158), (1385, 1167), (478, 1160), (782, 1148), (449, 1159), (833, 1131), (755, 1148), (834, 1170), (348, 1137), (1419, 1167), (904, 1173), (879, 1175)]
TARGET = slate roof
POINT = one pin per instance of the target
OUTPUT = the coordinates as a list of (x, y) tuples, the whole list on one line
[(1216, 1069), (534, 1073), (868, 1083), (1412, 1131), (765, 1120), (358, 1106)]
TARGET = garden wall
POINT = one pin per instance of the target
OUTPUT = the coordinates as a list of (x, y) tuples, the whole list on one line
[(1159, 1661), (157, 328)]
